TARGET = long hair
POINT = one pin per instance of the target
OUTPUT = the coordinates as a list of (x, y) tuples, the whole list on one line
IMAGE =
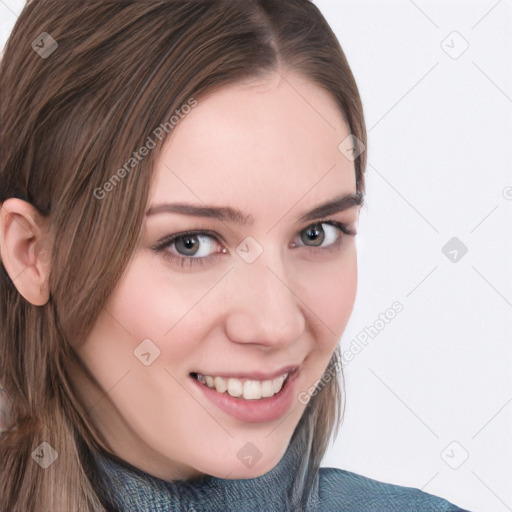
[(83, 85)]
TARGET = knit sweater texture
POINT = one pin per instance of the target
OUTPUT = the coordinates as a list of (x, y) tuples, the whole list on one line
[(331, 490)]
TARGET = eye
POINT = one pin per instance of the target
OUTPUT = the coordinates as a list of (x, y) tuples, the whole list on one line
[(198, 246), (189, 248), (323, 234)]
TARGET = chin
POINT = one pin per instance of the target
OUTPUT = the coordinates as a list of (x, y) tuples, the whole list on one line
[(237, 470), (246, 473)]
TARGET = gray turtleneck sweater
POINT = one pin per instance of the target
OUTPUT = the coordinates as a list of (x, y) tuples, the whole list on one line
[(280, 490)]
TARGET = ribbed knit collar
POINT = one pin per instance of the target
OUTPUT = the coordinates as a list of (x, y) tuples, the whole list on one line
[(277, 490)]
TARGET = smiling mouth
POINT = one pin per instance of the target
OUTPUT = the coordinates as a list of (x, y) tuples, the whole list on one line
[(247, 389)]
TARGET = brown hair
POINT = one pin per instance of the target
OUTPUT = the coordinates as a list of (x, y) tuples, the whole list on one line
[(68, 123)]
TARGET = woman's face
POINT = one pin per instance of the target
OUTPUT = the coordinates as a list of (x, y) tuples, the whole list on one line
[(263, 284)]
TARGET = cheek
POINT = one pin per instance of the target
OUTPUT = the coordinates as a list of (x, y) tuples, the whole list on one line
[(156, 303), (172, 310), (329, 292), (144, 306)]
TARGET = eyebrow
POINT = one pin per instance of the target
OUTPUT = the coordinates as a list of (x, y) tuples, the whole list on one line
[(338, 204), (226, 213)]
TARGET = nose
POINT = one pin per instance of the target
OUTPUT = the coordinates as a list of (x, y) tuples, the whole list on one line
[(264, 308)]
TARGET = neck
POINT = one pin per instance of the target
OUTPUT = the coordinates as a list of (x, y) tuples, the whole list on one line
[(130, 488)]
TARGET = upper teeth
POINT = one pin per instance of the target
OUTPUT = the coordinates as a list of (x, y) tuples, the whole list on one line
[(249, 389)]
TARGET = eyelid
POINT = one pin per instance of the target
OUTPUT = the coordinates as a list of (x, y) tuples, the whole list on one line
[(169, 239), (340, 226), (164, 243), (162, 247)]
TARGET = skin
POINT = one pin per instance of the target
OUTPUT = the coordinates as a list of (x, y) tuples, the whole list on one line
[(268, 147)]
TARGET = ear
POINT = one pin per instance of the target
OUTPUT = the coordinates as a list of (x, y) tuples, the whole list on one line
[(25, 249)]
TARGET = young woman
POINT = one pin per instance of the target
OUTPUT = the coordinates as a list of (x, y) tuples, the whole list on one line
[(180, 188)]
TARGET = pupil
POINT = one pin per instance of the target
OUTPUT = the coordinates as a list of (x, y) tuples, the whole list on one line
[(188, 245), (314, 234)]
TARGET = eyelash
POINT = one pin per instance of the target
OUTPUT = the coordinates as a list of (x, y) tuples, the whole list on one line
[(165, 243)]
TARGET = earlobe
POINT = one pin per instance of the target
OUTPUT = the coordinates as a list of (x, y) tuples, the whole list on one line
[(25, 248)]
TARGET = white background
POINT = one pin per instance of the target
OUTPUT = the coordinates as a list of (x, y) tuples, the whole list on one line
[(434, 385), (440, 158)]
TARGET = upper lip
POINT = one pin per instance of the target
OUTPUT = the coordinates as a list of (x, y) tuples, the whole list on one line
[(256, 375)]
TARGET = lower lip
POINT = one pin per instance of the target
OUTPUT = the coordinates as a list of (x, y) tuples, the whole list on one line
[(253, 411)]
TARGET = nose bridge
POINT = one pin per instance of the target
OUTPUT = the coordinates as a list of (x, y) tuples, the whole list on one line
[(264, 308)]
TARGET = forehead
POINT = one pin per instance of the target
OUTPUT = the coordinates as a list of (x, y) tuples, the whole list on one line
[(257, 143)]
